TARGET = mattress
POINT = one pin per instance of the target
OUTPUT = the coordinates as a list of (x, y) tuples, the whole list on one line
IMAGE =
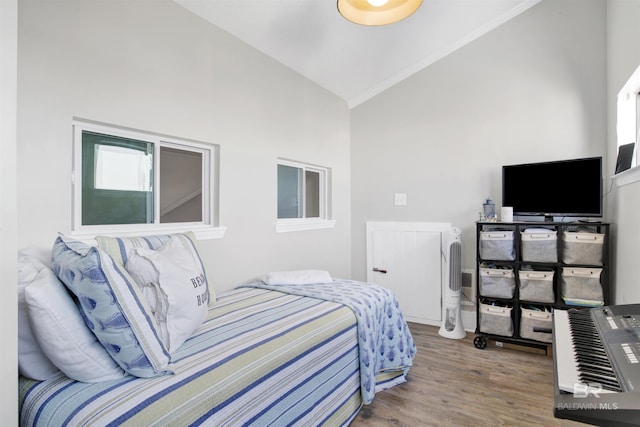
[(261, 357)]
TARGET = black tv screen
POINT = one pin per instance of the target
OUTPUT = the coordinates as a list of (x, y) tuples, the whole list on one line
[(571, 188)]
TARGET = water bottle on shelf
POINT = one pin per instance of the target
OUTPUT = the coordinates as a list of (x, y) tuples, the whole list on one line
[(489, 210)]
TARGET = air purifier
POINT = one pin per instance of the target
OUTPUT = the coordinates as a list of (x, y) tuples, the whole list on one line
[(451, 304)]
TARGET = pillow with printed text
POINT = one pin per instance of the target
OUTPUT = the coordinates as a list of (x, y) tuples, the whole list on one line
[(174, 283)]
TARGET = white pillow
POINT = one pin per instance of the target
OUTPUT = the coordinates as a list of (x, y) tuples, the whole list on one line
[(174, 276), (62, 333), (120, 247), (297, 277), (146, 276), (32, 362), (113, 306)]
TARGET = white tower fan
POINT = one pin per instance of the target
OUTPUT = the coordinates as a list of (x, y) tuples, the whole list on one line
[(451, 306)]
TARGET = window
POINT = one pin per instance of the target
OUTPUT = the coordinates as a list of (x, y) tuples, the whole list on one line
[(628, 120), (131, 182), (303, 192), (628, 125)]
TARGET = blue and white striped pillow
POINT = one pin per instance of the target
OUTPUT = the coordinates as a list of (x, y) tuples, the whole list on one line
[(121, 248), (113, 307)]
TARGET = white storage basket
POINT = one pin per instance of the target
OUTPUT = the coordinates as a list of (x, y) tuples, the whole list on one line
[(496, 320), (582, 286), (582, 248), (536, 285), (539, 245), (536, 325), (497, 245), (497, 282)]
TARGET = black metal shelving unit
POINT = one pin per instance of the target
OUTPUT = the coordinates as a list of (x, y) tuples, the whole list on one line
[(518, 264)]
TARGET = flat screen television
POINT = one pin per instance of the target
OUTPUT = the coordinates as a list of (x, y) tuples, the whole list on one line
[(564, 188)]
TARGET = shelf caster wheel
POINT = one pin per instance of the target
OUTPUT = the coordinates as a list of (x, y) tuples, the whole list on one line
[(480, 342)]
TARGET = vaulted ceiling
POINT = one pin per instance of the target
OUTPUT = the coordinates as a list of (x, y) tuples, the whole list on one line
[(355, 62)]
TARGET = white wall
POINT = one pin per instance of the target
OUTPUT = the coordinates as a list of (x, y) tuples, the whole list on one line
[(155, 66), (531, 90), (8, 216), (623, 50)]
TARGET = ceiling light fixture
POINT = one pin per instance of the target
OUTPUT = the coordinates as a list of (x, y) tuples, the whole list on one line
[(377, 12)]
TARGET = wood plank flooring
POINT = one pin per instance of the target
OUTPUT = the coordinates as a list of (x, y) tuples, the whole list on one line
[(452, 383)]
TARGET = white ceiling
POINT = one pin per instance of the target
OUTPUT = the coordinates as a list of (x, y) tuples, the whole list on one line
[(353, 61)]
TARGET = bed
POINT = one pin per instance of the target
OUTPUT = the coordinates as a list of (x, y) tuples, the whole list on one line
[(265, 354)]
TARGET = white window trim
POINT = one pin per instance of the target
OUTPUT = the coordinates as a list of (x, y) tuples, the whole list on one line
[(631, 88), (205, 230), (627, 177), (301, 224), (201, 232), (285, 225)]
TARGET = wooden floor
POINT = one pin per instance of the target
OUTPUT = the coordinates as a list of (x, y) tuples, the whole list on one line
[(452, 383)]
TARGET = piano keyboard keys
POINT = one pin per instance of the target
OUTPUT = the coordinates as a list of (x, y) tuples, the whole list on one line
[(596, 376), (591, 359)]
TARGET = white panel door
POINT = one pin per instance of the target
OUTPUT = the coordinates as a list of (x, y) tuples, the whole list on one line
[(405, 258)]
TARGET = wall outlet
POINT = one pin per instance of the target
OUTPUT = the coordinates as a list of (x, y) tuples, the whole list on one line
[(469, 287)]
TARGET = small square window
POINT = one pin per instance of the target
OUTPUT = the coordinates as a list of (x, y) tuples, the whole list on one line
[(303, 195)]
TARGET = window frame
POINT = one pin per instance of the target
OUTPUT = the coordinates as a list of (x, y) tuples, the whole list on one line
[(629, 93), (208, 228), (324, 220)]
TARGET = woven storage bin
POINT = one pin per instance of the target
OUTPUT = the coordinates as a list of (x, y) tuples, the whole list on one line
[(581, 286), (497, 282), (536, 285), (539, 245), (496, 320), (582, 248), (536, 325), (497, 245)]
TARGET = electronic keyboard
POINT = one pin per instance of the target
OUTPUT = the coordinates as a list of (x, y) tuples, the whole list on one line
[(597, 364)]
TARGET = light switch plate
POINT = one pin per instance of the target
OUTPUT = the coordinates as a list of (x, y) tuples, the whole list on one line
[(400, 199)]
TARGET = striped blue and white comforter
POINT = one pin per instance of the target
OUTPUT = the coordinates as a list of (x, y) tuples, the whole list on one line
[(261, 358), (386, 344)]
